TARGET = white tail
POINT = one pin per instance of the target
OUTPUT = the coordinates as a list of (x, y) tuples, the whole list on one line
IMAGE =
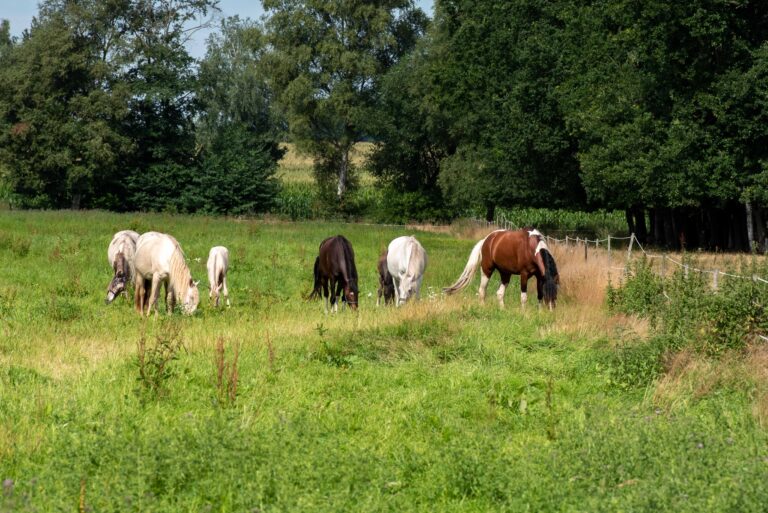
[(469, 271)]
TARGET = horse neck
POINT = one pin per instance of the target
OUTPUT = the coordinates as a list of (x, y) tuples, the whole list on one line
[(121, 263), (179, 275)]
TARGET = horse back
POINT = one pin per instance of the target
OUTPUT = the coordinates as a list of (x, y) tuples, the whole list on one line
[(154, 251), (509, 252)]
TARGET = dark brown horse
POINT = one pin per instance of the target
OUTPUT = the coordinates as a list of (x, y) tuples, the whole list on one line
[(386, 284), (335, 272), (522, 252)]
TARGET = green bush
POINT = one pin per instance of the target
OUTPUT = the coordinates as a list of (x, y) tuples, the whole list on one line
[(686, 311), (641, 294)]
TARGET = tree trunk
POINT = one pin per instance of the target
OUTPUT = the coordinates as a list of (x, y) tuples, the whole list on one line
[(76, 197), (630, 221), (760, 229), (750, 225), (341, 187), (490, 212), (640, 227)]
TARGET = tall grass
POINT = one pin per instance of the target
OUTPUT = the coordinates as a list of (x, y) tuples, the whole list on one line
[(444, 404)]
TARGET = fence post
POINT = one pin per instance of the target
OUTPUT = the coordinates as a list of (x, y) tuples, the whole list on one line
[(714, 278), (629, 249), (686, 270), (566, 240)]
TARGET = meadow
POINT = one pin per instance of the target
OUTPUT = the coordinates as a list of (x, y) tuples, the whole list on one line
[(274, 405)]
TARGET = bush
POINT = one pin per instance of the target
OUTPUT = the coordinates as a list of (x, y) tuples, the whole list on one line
[(641, 294), (686, 312)]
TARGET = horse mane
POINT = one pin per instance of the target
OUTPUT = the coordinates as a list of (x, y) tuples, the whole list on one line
[(180, 275), (349, 258), (550, 274)]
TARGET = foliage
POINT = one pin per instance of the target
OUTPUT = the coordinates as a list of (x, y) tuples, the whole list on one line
[(640, 294), (154, 361), (236, 130), (328, 61), (688, 312)]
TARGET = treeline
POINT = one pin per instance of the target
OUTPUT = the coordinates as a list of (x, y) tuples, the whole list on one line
[(657, 108)]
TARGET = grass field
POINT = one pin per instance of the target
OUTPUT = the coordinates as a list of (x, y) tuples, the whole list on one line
[(443, 405)]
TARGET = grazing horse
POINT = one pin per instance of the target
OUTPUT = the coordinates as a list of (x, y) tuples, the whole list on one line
[(120, 256), (522, 252), (160, 260), (335, 272), (406, 261), (218, 263), (386, 284)]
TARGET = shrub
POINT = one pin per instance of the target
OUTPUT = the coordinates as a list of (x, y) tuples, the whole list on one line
[(641, 294)]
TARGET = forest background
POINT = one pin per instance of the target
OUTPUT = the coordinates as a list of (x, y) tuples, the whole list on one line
[(654, 108)]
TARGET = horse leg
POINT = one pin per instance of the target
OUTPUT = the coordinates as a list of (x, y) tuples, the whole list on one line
[(153, 294), (326, 295), (339, 293), (503, 287), (225, 290), (540, 289), (485, 277), (138, 296), (523, 289), (396, 286), (170, 298)]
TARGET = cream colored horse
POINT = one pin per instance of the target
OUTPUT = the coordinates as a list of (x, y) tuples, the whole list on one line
[(120, 256), (406, 261), (160, 259), (218, 263)]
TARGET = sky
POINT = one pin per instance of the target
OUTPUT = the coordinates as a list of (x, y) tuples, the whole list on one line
[(20, 13)]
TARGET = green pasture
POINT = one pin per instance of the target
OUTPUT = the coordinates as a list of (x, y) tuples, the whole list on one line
[(444, 405)]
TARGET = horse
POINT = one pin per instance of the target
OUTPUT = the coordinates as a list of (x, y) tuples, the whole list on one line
[(120, 257), (159, 260), (386, 284), (218, 263), (335, 267), (522, 252), (406, 261)]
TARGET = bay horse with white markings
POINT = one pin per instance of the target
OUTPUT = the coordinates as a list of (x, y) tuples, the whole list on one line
[(335, 272), (522, 252)]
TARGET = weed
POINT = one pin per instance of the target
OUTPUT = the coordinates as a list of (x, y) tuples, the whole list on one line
[(153, 361), (227, 374)]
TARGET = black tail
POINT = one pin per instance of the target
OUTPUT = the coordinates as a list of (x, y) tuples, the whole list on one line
[(551, 277), (316, 291)]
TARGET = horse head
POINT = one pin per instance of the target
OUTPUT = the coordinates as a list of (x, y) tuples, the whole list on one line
[(351, 294), (116, 286), (191, 298)]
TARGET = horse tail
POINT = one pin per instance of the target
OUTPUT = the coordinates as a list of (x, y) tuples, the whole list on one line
[(551, 276), (316, 291), (475, 257)]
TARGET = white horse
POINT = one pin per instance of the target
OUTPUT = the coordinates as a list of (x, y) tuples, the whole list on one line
[(160, 259), (120, 256), (218, 263), (406, 261)]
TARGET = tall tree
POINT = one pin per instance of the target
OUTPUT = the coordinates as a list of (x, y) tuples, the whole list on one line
[(236, 131), (59, 111), (328, 61), (497, 68)]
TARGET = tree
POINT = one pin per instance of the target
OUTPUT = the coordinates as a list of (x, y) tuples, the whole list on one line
[(59, 112), (328, 61), (495, 69), (236, 131)]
